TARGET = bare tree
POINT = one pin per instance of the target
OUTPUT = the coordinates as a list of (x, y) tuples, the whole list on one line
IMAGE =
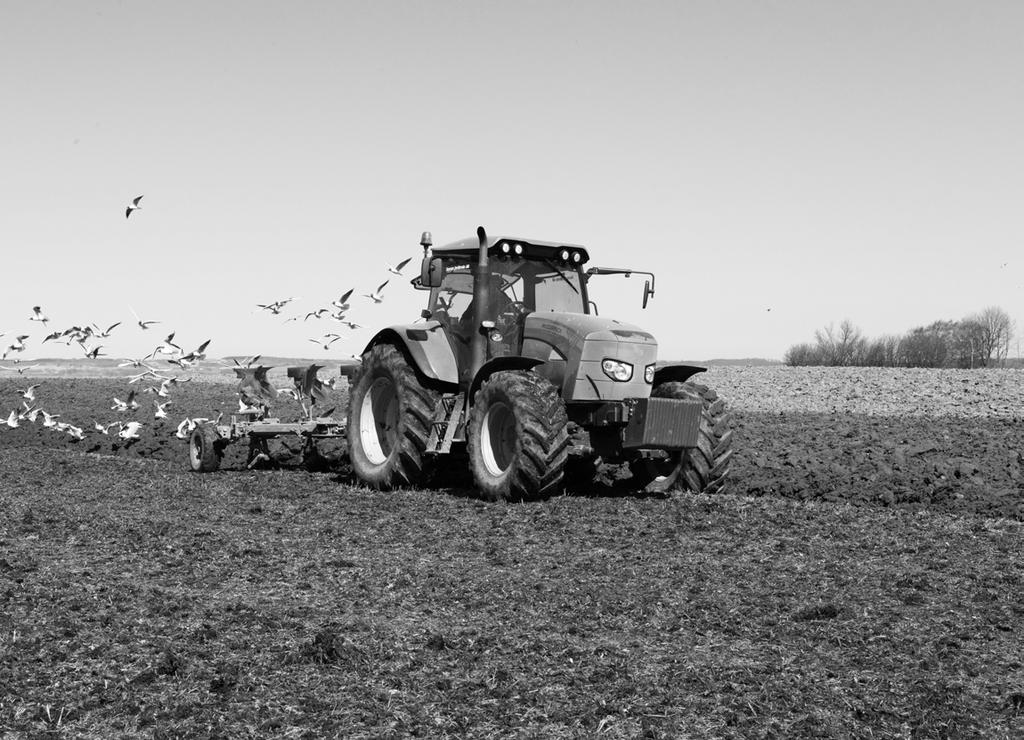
[(996, 333), (843, 346)]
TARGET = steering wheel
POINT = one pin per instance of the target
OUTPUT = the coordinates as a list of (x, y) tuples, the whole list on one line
[(508, 320)]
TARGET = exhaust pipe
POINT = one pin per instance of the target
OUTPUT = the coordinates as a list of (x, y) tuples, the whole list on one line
[(481, 299)]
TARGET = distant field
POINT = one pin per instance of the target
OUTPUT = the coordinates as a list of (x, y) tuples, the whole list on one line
[(861, 578)]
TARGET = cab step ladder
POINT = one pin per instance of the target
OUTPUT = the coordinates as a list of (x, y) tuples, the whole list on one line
[(445, 423)]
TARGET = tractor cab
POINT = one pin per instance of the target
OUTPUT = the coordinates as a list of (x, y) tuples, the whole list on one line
[(523, 278)]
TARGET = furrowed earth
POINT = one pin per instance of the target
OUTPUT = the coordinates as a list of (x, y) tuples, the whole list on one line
[(861, 577)]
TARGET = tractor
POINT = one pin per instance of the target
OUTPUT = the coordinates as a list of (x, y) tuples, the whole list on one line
[(512, 371)]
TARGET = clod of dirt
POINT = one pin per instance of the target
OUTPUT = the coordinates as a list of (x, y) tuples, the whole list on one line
[(818, 611)]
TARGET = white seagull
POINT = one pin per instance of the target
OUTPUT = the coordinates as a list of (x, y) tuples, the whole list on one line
[(168, 347), (120, 405), (133, 207), (143, 324), (130, 430), (161, 412), (12, 420), (103, 334), (29, 394), (376, 296), (38, 315), (103, 428), (397, 269), (19, 369), (342, 303), (326, 340), (276, 306)]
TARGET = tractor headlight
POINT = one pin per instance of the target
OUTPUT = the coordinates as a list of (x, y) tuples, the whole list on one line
[(649, 374), (519, 249), (617, 370), (564, 255), (576, 256), (505, 249)]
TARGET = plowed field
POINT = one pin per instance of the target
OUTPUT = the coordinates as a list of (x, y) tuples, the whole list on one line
[(945, 440), (140, 600)]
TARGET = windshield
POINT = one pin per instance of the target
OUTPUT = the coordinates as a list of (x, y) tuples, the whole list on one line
[(538, 286)]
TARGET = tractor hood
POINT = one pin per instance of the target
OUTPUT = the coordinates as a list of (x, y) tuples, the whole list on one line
[(573, 346)]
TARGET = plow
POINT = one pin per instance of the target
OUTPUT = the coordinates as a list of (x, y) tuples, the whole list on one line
[(253, 424)]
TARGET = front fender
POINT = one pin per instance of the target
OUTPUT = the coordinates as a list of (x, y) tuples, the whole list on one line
[(510, 362), (678, 373), (427, 347)]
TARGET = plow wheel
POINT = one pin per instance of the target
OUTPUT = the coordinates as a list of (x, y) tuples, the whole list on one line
[(518, 440), (700, 469), (203, 452), (389, 417)]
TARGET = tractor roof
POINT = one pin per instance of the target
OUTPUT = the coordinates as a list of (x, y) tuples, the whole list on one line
[(532, 248)]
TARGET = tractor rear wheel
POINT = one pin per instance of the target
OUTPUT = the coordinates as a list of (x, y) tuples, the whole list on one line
[(389, 416), (518, 438), (700, 469), (204, 449)]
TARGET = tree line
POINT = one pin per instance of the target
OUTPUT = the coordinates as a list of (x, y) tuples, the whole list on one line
[(978, 340)]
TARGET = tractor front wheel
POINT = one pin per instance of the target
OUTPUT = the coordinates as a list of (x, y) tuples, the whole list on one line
[(389, 417), (700, 469), (518, 438)]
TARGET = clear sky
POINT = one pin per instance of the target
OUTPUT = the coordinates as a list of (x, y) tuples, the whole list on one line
[(824, 160)]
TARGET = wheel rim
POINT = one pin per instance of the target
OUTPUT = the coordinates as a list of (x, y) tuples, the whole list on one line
[(378, 420), (498, 438)]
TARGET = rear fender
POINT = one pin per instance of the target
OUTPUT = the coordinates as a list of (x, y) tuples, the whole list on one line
[(677, 373), (426, 346), (510, 362)]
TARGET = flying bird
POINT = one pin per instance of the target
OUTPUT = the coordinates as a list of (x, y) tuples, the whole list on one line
[(130, 430), (38, 315), (326, 340), (133, 207), (197, 354), (104, 333), (12, 420), (143, 324), (120, 405), (168, 347), (48, 419), (103, 428), (161, 412), (248, 363), (276, 306), (397, 269), (318, 314), (289, 392), (18, 346), (342, 303), (94, 353), (29, 394), (352, 324), (376, 296), (18, 369)]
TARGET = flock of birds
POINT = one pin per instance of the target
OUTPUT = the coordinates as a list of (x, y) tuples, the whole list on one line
[(154, 378), (337, 310), (160, 382)]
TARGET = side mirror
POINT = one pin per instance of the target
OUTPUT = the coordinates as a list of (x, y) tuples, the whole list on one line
[(648, 291), (431, 272)]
